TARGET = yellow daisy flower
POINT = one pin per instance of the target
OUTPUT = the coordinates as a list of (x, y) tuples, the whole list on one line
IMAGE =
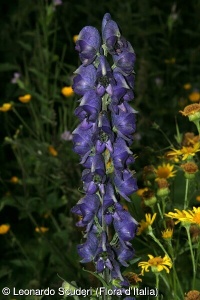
[(167, 233), (165, 171), (157, 264), (52, 151), (187, 86), (143, 225), (41, 229), (198, 198), (4, 228), (67, 91), (186, 152), (5, 107), (14, 179), (25, 99), (194, 96), (190, 216)]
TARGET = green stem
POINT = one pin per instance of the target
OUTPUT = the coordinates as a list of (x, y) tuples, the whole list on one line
[(158, 242), (159, 209), (192, 255), (157, 285), (186, 193), (24, 123)]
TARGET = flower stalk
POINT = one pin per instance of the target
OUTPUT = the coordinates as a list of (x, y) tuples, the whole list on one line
[(102, 139)]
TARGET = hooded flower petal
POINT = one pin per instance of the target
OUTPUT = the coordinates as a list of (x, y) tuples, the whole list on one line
[(125, 225), (90, 106), (125, 183), (84, 80), (88, 249), (88, 44)]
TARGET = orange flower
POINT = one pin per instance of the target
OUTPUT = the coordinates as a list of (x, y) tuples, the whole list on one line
[(4, 228), (52, 151), (194, 96), (5, 107), (25, 99), (67, 91)]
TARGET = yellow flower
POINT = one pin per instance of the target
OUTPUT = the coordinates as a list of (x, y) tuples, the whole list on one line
[(144, 225), (165, 171), (190, 216), (157, 264), (187, 86), (4, 228), (194, 96), (5, 107), (67, 91), (41, 229), (25, 99), (186, 152), (141, 191), (192, 111), (14, 179), (52, 151), (167, 233), (198, 198), (75, 38)]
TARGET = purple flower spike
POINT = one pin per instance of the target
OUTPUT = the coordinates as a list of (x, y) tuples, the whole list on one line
[(88, 44), (125, 225), (84, 80), (102, 140)]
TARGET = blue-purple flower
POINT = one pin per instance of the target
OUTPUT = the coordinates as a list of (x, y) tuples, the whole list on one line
[(88, 44), (102, 140)]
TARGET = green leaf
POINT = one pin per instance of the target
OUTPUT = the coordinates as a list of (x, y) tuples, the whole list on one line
[(97, 276), (135, 260)]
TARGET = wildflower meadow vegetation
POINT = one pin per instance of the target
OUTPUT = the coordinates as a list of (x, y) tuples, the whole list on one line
[(100, 150)]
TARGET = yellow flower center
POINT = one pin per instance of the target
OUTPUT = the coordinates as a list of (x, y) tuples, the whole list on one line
[(163, 172), (155, 261)]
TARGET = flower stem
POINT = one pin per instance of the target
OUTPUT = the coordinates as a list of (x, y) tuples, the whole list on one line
[(160, 211), (186, 193), (157, 285), (192, 255), (158, 242)]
